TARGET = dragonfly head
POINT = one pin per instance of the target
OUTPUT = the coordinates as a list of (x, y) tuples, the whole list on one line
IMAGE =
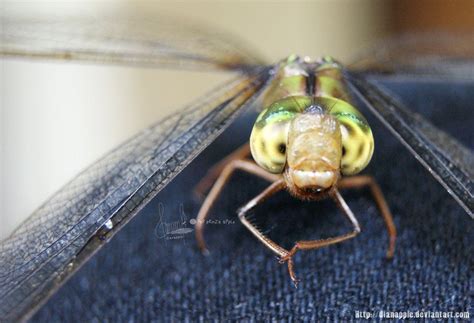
[(298, 139), (311, 141), (314, 151)]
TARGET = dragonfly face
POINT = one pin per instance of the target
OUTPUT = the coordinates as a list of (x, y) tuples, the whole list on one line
[(314, 153), (310, 130)]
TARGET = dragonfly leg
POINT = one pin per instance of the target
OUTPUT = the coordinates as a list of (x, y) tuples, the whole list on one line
[(315, 244), (227, 171), (364, 181), (206, 182), (270, 244)]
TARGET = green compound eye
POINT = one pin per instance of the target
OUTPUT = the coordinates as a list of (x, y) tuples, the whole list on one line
[(268, 146), (270, 133), (358, 147), (357, 138)]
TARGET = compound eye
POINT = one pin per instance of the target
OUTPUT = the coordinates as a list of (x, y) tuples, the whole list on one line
[(268, 146), (270, 132), (356, 135), (358, 147)]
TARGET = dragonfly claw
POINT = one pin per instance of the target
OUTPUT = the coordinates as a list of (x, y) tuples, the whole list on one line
[(288, 258)]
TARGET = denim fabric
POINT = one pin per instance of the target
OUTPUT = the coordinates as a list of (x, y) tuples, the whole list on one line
[(149, 274)]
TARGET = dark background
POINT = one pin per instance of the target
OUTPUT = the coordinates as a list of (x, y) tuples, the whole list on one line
[(141, 276)]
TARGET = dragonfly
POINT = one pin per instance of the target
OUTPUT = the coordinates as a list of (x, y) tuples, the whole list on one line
[(293, 94)]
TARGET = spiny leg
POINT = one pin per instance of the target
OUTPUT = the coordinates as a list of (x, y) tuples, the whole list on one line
[(363, 181), (315, 244), (206, 182), (270, 244), (244, 165)]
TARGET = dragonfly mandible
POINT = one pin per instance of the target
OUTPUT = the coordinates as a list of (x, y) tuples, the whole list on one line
[(74, 223)]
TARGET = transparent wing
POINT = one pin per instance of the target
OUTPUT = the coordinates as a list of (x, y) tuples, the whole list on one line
[(156, 43), (446, 159), (445, 55), (54, 241)]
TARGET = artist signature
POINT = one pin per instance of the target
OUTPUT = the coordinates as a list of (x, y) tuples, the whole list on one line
[(172, 230)]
